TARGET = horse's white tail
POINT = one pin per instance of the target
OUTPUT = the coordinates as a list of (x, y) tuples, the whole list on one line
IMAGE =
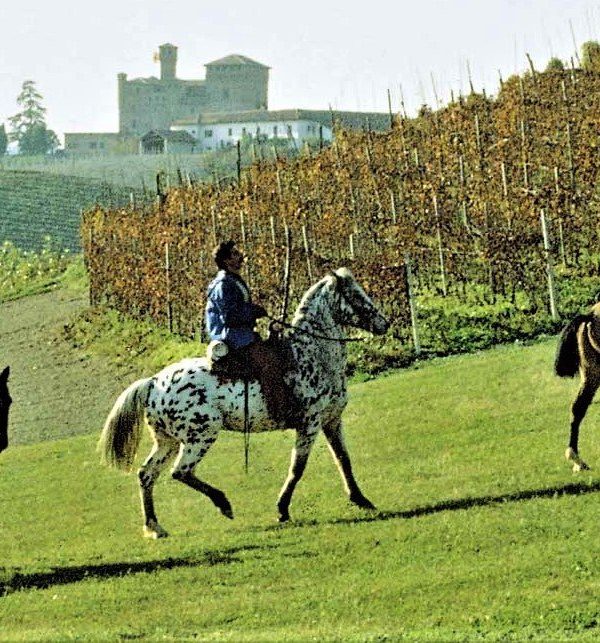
[(120, 437)]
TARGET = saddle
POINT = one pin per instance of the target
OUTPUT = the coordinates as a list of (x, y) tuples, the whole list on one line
[(227, 364), (235, 365), (231, 365)]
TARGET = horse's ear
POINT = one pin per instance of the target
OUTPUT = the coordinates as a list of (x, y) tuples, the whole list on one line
[(4, 375)]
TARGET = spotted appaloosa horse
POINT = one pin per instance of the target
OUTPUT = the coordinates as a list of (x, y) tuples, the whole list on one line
[(5, 402), (185, 405), (579, 350)]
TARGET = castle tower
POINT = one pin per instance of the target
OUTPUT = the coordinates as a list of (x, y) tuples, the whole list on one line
[(122, 82), (168, 61), (237, 83)]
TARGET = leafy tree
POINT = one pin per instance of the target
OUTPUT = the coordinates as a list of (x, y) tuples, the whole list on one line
[(555, 64), (590, 55), (38, 139), (3, 140), (29, 125)]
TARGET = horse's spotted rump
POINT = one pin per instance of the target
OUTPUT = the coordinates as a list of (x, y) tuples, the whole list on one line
[(187, 405)]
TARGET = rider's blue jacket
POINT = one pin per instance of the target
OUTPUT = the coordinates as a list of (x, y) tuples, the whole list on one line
[(230, 314)]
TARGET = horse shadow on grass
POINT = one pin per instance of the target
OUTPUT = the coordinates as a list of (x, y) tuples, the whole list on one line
[(14, 580), (572, 489)]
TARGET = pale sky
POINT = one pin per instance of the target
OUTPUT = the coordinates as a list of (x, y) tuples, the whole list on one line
[(321, 53)]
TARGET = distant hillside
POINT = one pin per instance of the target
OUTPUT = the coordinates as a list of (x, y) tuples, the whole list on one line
[(44, 195), (138, 171), (35, 205)]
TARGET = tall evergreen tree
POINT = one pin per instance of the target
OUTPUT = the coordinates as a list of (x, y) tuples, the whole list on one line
[(29, 125)]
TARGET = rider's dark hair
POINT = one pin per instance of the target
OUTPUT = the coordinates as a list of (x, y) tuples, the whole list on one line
[(222, 252)]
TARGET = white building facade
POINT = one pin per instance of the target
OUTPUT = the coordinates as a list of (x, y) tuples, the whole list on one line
[(216, 131)]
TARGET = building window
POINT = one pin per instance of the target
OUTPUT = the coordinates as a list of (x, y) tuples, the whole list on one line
[(275, 131), (230, 131), (208, 133), (93, 145)]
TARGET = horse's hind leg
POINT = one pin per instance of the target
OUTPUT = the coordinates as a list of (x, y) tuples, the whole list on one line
[(183, 470), (335, 440), (163, 450), (585, 395)]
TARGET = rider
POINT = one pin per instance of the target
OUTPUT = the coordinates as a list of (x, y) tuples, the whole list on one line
[(231, 316)]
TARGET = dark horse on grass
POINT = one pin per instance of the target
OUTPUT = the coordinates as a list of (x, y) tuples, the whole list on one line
[(186, 405), (579, 350), (5, 402)]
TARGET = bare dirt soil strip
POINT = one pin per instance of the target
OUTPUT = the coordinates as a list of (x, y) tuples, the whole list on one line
[(57, 391)]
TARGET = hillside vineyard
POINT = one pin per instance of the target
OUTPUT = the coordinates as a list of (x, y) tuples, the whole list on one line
[(458, 192)]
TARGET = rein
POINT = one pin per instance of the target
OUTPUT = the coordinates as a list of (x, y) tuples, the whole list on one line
[(342, 340)]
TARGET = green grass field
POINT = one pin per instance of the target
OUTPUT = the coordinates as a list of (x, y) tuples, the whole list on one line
[(482, 529)]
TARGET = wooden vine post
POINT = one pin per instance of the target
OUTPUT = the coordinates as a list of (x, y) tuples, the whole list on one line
[(307, 253), (168, 288), (440, 247), (549, 268), (412, 305), (561, 232)]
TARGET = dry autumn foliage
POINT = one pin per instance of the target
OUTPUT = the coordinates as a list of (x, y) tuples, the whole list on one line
[(459, 190)]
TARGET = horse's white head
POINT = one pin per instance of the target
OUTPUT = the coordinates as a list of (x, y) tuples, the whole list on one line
[(355, 306)]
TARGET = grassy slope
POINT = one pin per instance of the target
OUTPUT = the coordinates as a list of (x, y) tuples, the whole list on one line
[(482, 530)]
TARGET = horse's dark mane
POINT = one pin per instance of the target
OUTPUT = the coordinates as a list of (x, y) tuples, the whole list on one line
[(566, 362)]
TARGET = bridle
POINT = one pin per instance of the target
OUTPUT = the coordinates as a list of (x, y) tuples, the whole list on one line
[(342, 340)]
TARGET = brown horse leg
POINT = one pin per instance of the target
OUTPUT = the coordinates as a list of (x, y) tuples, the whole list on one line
[(163, 450), (585, 395), (335, 440)]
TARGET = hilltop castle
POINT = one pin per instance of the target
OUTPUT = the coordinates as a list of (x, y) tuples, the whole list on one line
[(233, 84), (168, 114)]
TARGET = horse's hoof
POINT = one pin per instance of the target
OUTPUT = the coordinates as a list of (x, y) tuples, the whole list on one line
[(283, 518), (154, 532), (580, 466), (363, 503)]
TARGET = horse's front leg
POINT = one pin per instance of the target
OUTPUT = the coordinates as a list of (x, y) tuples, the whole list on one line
[(305, 438), (584, 398), (3, 435), (337, 446)]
